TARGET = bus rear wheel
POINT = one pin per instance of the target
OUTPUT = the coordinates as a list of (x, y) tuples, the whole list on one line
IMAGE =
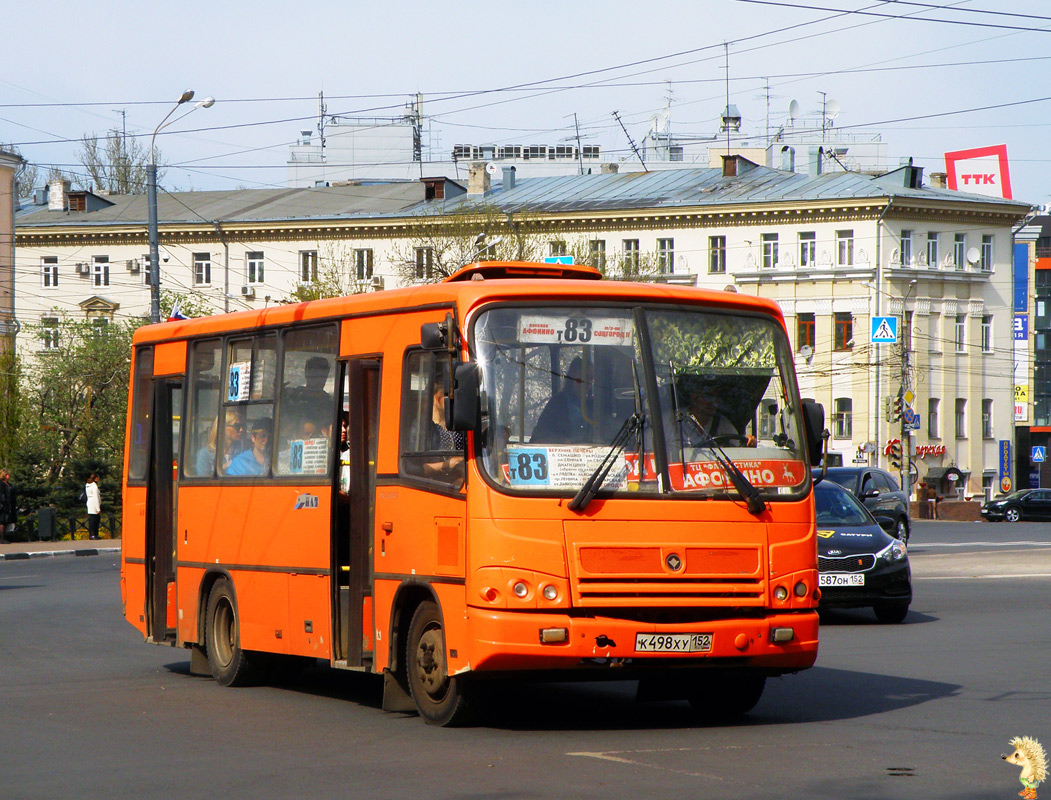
[(229, 663), (440, 698), (725, 696)]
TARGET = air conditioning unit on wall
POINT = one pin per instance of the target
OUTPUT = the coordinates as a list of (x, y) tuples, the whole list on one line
[(83, 268), (133, 265), (248, 292)]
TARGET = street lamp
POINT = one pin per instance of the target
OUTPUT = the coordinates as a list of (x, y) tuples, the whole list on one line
[(905, 433), (151, 200)]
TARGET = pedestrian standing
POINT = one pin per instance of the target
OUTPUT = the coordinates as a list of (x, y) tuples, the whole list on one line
[(91, 492), (8, 507)]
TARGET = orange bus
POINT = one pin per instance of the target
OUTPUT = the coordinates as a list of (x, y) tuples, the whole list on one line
[(521, 472)]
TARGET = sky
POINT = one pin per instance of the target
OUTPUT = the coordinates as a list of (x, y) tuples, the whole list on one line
[(928, 76)]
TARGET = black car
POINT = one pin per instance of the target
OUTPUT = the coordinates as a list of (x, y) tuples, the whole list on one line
[(1026, 504), (880, 493), (859, 564)]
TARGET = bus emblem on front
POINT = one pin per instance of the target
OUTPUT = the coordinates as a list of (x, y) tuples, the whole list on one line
[(674, 562)]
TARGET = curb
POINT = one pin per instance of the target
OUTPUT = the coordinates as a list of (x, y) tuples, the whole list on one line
[(58, 553)]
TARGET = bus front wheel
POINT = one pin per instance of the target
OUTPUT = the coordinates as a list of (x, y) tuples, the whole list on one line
[(439, 698), (228, 661)]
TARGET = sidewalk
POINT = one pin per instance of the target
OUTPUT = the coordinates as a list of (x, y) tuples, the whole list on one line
[(80, 547)]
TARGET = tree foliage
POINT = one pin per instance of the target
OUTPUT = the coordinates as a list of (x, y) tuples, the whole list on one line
[(72, 415), (336, 275), (453, 240), (115, 163)]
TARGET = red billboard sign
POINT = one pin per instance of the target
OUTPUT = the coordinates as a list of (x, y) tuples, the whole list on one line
[(981, 170)]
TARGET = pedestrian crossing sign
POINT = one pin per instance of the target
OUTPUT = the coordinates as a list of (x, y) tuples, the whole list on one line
[(884, 330)]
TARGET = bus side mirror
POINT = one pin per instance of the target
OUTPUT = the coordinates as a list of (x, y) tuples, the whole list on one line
[(813, 425), (440, 335), (463, 409)]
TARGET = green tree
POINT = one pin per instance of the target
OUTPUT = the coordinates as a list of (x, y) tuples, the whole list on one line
[(72, 414), (336, 275), (615, 267)]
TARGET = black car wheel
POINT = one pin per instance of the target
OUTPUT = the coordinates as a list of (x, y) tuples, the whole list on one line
[(1013, 514), (902, 531), (891, 613)]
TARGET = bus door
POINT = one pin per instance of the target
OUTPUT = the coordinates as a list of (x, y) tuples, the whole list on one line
[(355, 509), (160, 510)]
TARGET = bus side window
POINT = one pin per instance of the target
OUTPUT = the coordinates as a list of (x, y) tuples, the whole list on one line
[(202, 432), (306, 413), (429, 450)]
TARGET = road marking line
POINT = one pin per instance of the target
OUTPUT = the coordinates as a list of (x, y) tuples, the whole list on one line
[(611, 756), (983, 544), (983, 577)]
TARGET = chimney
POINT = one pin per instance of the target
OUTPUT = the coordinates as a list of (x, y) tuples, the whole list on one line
[(788, 159), (610, 169), (57, 191), (817, 156), (729, 166), (509, 178), (478, 179), (939, 180)]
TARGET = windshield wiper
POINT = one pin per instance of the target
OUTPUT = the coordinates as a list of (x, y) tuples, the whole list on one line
[(598, 477), (751, 495)]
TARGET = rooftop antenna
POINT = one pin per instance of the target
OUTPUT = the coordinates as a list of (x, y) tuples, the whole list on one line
[(321, 109), (638, 155), (580, 157), (726, 53)]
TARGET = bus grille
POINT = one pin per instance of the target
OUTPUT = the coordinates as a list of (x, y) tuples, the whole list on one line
[(668, 576)]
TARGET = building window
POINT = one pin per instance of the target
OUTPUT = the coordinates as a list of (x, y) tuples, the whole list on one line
[(49, 272), (100, 270), (842, 418), (961, 418), (631, 255), (934, 336), (556, 248), (307, 266), (843, 335), (424, 263), (845, 248), (987, 419), (933, 430), (49, 333), (987, 333), (717, 255), (806, 326), (807, 249), (959, 333), (769, 244), (597, 253), (987, 253), (959, 250), (665, 256), (932, 249), (202, 269), (906, 248), (253, 268), (363, 264)]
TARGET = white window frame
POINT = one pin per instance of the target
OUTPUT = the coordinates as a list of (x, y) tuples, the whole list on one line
[(631, 254), (843, 418), (987, 333), (959, 250), (424, 263), (932, 249), (960, 333), (364, 262), (906, 248), (961, 418), (986, 262), (666, 256), (933, 431), (49, 272), (845, 248), (202, 269), (716, 255), (597, 252), (307, 266), (807, 248), (100, 271), (987, 418), (254, 268), (50, 333), (768, 245)]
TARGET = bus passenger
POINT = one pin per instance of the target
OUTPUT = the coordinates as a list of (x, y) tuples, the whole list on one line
[(440, 438), (256, 460), (232, 433)]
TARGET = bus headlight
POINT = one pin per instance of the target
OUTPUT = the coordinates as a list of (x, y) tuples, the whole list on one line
[(781, 593), (521, 589), (550, 592)]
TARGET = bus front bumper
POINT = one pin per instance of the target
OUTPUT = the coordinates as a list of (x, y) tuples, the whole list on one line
[(507, 640)]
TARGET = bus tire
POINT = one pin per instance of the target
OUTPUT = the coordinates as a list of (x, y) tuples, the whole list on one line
[(727, 696), (229, 663), (439, 698)]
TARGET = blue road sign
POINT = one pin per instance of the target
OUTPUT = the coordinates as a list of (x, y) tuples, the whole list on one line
[(884, 330), (1039, 454), (911, 419), (558, 259)]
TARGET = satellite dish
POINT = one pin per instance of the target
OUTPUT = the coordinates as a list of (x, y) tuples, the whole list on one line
[(832, 109), (491, 168), (868, 447), (793, 110), (806, 351), (973, 256)]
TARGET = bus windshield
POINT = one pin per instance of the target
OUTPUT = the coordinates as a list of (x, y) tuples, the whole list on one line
[(664, 394)]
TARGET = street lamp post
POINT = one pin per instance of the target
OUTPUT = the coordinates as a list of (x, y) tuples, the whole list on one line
[(905, 433), (151, 201)]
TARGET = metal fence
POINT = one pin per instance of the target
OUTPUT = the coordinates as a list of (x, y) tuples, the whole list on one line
[(46, 525)]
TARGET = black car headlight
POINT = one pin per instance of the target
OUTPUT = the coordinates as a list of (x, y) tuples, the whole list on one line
[(895, 551)]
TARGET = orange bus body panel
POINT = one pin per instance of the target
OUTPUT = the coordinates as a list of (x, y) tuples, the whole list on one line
[(169, 358)]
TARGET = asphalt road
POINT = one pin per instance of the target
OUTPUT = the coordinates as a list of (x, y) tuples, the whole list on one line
[(922, 709)]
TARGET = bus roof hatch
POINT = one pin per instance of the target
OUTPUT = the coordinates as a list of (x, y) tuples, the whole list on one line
[(490, 270)]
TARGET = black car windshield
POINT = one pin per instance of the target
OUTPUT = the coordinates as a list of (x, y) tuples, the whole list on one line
[(837, 506), (561, 381)]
